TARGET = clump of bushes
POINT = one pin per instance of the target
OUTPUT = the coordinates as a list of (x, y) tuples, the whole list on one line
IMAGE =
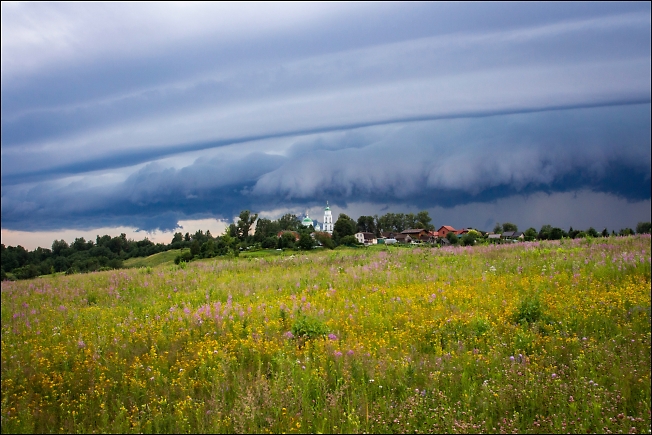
[(309, 327), (185, 257), (530, 310)]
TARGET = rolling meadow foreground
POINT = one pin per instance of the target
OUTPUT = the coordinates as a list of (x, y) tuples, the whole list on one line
[(527, 337)]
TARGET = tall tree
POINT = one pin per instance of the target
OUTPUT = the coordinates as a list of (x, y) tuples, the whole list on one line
[(643, 228), (508, 226), (424, 220), (266, 228), (58, 246), (366, 224), (544, 232), (178, 238), (394, 222), (289, 222), (305, 241), (245, 222), (344, 226)]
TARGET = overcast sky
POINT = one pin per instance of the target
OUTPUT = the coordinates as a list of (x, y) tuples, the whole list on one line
[(124, 117)]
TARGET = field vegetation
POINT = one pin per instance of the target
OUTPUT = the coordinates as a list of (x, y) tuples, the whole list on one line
[(153, 260), (536, 337)]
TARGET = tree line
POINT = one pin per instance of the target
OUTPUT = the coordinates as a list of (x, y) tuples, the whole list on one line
[(286, 232)]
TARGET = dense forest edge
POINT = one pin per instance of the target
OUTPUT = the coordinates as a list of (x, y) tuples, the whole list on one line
[(287, 232)]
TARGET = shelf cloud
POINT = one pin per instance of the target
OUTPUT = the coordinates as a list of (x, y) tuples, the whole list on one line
[(178, 112)]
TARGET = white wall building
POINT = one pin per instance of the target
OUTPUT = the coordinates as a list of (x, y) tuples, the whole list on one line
[(306, 222), (328, 220)]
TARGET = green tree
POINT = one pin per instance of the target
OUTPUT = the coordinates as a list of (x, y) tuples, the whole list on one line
[(410, 221), (573, 233), (592, 232), (424, 220), (544, 232), (199, 236), (349, 241), (325, 239), (556, 234), (306, 242), (452, 237), (195, 248), (508, 226), (469, 238), (643, 228), (59, 246), (80, 244), (289, 222), (269, 242), (498, 229), (394, 222), (266, 228), (366, 224), (344, 226), (208, 249), (626, 232), (287, 240), (245, 221)]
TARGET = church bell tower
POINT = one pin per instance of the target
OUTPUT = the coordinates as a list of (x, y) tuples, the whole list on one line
[(328, 220)]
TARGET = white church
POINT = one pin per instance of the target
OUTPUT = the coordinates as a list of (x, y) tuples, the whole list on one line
[(328, 221)]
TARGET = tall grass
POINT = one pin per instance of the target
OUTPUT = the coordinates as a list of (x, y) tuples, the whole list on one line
[(532, 337)]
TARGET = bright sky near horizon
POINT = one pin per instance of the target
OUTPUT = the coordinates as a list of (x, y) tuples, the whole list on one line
[(145, 118)]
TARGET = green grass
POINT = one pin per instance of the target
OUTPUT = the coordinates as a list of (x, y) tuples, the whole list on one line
[(524, 338), (153, 260), (263, 253)]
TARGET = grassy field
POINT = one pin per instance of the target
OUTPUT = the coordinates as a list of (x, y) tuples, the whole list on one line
[(528, 338), (153, 260)]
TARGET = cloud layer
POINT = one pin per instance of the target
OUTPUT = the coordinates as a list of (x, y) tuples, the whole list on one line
[(176, 112)]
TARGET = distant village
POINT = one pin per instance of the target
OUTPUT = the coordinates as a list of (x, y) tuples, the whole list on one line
[(250, 234), (445, 235)]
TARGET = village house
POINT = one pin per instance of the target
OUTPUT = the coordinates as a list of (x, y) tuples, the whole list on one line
[(427, 238), (444, 230), (366, 238), (513, 235), (415, 233), (493, 238), (403, 238)]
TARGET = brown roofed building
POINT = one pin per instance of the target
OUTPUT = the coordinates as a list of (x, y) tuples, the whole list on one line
[(403, 238), (415, 233), (444, 230), (366, 238), (427, 238)]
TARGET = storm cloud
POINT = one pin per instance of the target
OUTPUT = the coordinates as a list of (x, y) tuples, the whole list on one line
[(175, 112)]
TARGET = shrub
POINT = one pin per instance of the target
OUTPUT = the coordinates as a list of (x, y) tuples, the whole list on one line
[(309, 327), (349, 241), (529, 310), (185, 257)]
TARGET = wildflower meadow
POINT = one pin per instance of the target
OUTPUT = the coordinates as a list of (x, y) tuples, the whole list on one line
[(533, 337)]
